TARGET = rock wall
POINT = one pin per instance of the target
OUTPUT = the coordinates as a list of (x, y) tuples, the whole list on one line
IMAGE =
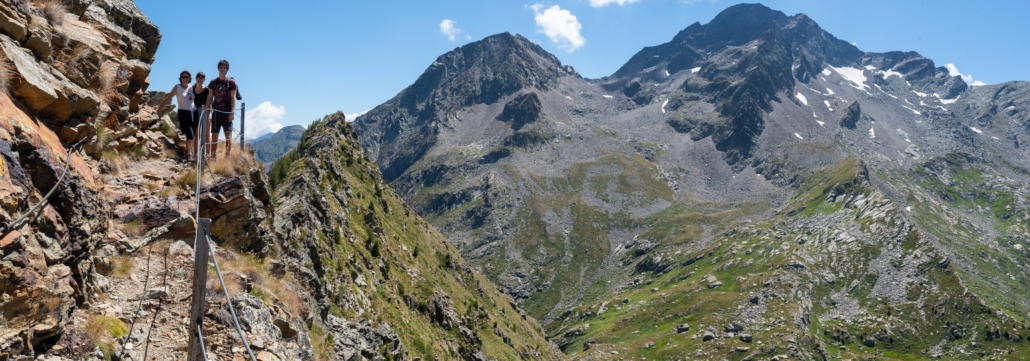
[(71, 68)]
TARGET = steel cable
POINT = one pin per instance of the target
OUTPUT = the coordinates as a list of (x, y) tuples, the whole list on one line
[(228, 300)]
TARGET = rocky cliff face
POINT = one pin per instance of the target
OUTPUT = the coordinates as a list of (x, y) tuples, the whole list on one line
[(68, 69), (755, 171)]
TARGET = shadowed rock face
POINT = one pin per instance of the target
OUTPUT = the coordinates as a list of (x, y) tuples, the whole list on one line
[(851, 116), (522, 110)]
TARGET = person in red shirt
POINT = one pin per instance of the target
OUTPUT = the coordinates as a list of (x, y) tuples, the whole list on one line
[(221, 103)]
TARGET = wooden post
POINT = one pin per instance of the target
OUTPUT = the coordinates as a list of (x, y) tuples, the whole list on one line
[(200, 249)]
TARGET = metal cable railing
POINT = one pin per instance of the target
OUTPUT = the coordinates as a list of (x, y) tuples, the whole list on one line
[(228, 300), (30, 213)]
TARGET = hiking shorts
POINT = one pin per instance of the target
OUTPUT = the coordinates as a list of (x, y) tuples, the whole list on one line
[(220, 120), (187, 124)]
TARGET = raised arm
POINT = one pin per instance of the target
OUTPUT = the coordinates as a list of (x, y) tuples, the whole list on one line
[(168, 97)]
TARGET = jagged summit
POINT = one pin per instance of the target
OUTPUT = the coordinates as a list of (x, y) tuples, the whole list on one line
[(401, 130), (486, 70)]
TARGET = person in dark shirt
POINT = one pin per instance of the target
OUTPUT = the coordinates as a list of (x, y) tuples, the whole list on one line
[(199, 100), (221, 103)]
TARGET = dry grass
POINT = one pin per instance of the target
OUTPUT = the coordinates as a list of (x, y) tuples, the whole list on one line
[(187, 180), (6, 73), (53, 11), (101, 328), (107, 83), (114, 161), (152, 185), (241, 270), (123, 265), (132, 228), (237, 163), (101, 331)]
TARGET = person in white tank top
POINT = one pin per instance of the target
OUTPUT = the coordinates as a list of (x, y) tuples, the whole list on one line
[(184, 98)]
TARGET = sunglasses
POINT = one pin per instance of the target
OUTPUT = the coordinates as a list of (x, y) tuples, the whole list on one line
[(184, 77)]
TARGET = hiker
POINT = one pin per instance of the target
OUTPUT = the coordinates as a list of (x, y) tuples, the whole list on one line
[(184, 100), (199, 100), (221, 103)]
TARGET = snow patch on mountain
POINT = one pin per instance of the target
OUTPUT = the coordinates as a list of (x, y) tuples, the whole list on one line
[(853, 75), (802, 98)]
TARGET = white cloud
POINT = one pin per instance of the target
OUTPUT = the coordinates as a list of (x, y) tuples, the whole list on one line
[(600, 3), (953, 71), (264, 119), (352, 116), (560, 26), (977, 83), (447, 27)]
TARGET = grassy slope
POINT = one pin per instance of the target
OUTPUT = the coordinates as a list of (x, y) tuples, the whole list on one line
[(405, 259), (794, 286)]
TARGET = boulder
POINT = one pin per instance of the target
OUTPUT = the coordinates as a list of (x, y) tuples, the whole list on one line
[(442, 311), (180, 248), (31, 84), (39, 43), (254, 317), (75, 130), (745, 337), (733, 327), (681, 328), (237, 217), (12, 27), (708, 336)]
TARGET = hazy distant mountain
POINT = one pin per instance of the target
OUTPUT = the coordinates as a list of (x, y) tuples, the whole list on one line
[(271, 146), (755, 175)]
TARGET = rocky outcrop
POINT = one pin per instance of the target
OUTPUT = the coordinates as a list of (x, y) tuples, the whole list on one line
[(70, 71), (851, 116), (238, 213)]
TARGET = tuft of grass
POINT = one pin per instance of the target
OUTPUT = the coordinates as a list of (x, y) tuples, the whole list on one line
[(107, 82), (237, 163), (133, 228), (152, 185), (322, 342), (113, 160), (6, 72), (123, 265), (187, 180), (102, 330), (53, 11)]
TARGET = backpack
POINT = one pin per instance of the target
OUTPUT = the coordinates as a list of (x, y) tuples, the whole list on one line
[(238, 95)]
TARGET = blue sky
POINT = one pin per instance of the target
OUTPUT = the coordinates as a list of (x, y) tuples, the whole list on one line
[(296, 61)]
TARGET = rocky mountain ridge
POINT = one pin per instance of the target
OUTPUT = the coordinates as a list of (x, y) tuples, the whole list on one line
[(269, 148)]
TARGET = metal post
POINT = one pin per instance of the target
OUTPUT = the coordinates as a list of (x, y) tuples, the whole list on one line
[(243, 123), (200, 249)]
